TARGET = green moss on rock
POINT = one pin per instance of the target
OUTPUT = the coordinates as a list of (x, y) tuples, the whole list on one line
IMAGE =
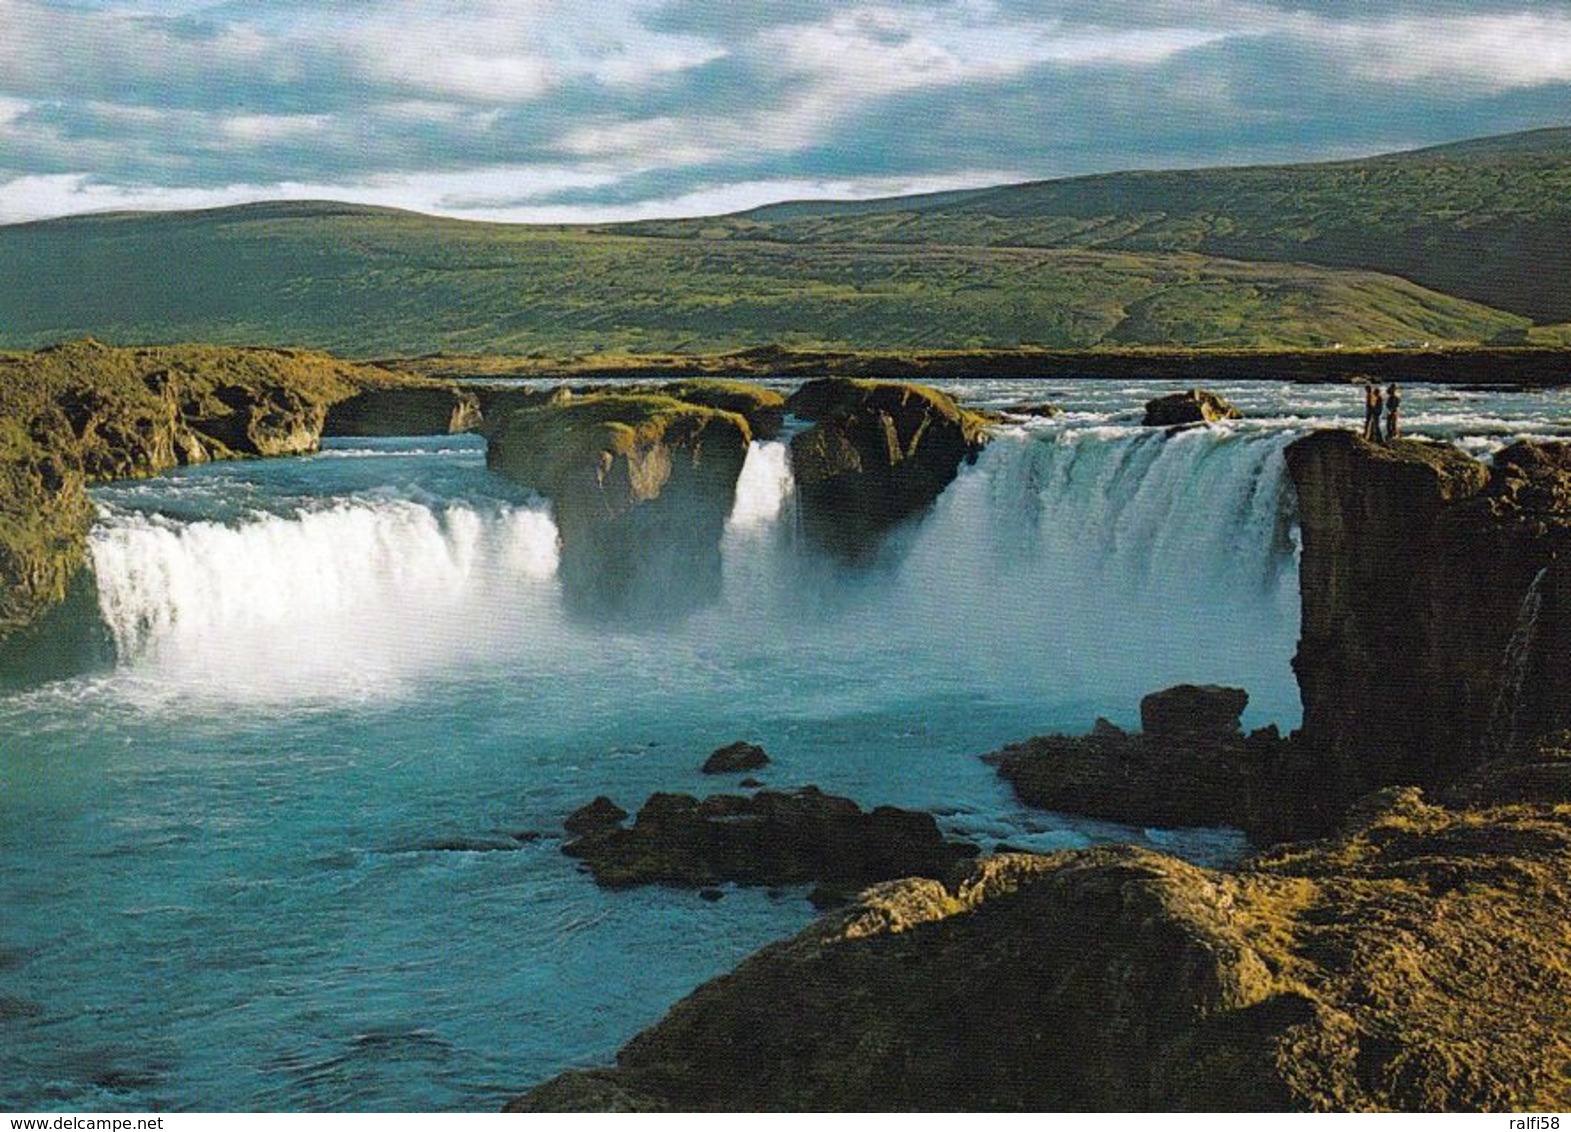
[(641, 484), (878, 454), (82, 412), (1417, 960)]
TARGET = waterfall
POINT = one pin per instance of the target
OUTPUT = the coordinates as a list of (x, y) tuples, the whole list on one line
[(1505, 716), (1101, 563), (352, 593), (763, 487), (1070, 565)]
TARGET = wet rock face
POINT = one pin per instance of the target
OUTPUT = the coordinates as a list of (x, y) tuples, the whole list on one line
[(641, 486), (1420, 567), (247, 422), (1362, 972), (879, 453), (768, 838), (405, 412), (1193, 406)]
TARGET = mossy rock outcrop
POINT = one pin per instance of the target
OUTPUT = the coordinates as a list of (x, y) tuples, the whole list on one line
[(83, 412), (763, 408), (1417, 960), (641, 484), (878, 454)]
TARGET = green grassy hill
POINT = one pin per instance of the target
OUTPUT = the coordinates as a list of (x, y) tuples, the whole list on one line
[(1459, 243), (1487, 219)]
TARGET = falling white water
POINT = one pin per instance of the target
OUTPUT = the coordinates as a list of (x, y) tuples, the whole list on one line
[(1071, 565), (1505, 715), (338, 600), (1097, 564), (763, 487)]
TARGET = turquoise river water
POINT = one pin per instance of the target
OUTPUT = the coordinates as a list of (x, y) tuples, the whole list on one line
[(260, 850)]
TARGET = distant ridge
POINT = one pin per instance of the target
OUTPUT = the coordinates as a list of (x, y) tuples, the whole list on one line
[(266, 209), (1467, 242)]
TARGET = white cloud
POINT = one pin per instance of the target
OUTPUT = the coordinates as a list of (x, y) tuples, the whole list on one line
[(263, 129), (1490, 52), (499, 194)]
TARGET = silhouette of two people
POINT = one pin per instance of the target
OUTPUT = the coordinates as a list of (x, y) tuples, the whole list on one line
[(1378, 405)]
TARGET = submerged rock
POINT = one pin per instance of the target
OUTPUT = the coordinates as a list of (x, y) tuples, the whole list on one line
[(879, 453), (1044, 409), (768, 838), (735, 758), (1193, 406), (641, 486), (1368, 971)]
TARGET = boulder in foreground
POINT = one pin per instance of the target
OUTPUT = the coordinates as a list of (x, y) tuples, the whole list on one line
[(1416, 961)]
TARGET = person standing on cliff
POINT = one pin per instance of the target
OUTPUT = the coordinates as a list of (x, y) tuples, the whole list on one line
[(1373, 403), (1393, 403)]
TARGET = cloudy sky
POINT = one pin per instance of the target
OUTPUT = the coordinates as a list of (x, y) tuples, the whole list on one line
[(554, 110)]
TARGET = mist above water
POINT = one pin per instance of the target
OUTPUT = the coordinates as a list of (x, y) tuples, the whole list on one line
[(1081, 566)]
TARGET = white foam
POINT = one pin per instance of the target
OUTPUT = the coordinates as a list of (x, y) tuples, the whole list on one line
[(347, 599)]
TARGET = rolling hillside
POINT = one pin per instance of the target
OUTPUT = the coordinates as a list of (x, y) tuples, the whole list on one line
[(1461, 243), (1487, 219)]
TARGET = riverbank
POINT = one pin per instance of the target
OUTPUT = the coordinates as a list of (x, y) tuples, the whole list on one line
[(82, 413), (1502, 366)]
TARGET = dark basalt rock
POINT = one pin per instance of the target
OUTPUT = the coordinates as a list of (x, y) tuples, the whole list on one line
[(1193, 406), (1188, 710), (596, 817), (1189, 767), (1365, 972), (769, 838), (735, 758), (404, 412), (879, 453), (1435, 613)]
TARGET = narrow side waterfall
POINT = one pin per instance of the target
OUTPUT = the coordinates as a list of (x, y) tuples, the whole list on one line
[(763, 487), (1505, 715)]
